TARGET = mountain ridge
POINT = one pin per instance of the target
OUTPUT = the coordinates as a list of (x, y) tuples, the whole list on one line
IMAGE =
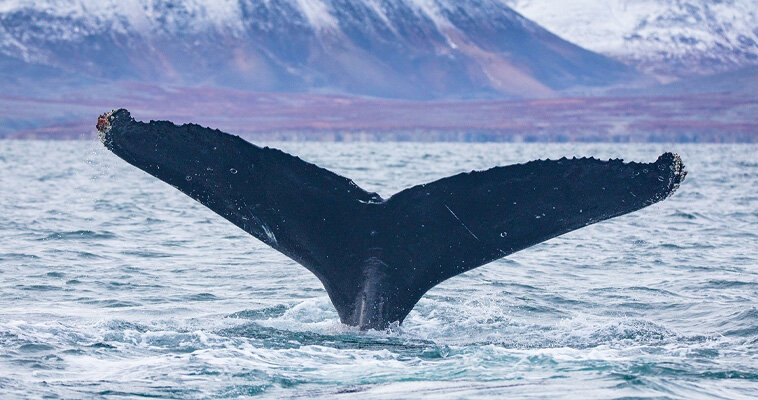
[(418, 49), (669, 38)]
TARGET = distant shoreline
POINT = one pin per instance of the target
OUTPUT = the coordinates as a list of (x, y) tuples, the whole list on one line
[(362, 138), (724, 117)]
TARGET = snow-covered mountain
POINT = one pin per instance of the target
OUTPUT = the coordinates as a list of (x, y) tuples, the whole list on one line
[(392, 48), (669, 37)]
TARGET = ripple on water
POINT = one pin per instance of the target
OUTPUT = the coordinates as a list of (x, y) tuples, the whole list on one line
[(264, 313), (79, 235)]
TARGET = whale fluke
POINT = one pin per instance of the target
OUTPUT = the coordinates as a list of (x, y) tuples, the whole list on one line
[(376, 257)]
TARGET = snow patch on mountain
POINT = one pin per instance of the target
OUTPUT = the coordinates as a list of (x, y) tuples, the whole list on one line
[(122, 15), (317, 14)]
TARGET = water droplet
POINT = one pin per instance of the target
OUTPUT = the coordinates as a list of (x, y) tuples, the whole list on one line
[(504, 234), (188, 178), (233, 171)]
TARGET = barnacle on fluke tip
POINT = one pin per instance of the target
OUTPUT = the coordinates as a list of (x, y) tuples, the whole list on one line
[(103, 125)]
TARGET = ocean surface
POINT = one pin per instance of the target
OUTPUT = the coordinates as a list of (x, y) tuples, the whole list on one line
[(115, 285)]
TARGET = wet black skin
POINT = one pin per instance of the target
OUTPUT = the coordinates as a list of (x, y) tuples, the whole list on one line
[(376, 257)]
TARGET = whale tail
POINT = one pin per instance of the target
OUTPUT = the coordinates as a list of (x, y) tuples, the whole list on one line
[(376, 257)]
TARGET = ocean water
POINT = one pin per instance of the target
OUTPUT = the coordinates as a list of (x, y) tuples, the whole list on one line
[(115, 285)]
